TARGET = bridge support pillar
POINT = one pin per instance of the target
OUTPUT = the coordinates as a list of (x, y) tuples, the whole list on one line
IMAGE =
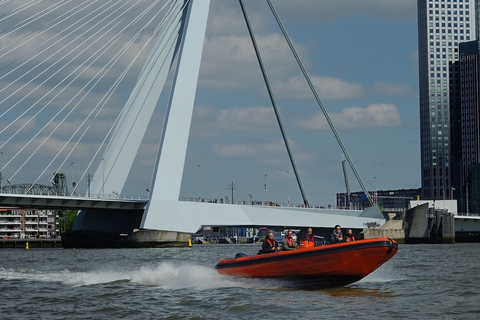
[(160, 238)]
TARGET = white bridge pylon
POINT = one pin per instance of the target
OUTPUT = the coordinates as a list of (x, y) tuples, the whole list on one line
[(182, 37)]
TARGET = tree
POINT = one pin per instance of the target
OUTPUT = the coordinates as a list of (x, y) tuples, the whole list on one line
[(67, 218)]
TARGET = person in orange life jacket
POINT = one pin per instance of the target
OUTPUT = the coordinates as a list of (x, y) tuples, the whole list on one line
[(289, 243), (309, 235), (349, 236), (270, 245), (337, 235)]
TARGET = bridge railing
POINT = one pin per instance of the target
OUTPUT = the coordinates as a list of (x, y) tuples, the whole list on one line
[(253, 203), (80, 195)]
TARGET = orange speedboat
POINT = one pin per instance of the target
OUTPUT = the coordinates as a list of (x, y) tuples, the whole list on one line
[(315, 267)]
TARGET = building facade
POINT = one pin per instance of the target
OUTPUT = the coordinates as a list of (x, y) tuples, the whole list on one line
[(442, 26), (394, 200), (28, 224), (469, 110)]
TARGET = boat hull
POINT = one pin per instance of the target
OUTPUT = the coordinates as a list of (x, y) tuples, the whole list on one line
[(322, 266)]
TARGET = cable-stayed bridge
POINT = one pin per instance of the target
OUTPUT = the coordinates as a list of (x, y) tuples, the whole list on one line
[(65, 65)]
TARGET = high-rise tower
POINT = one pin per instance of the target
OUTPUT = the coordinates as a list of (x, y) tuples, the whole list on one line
[(469, 111), (442, 26)]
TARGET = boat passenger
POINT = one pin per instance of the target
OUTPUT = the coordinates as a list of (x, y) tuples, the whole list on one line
[(270, 245), (337, 235), (309, 235), (349, 236), (289, 243), (307, 238)]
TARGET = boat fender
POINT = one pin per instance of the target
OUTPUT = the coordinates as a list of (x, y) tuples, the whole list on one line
[(240, 254), (390, 248)]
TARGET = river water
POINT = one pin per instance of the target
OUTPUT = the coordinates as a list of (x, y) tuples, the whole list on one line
[(420, 281)]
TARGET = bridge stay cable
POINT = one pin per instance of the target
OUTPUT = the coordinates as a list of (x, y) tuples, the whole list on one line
[(55, 22), (139, 17), (53, 40), (322, 107), (34, 18), (64, 65), (126, 139), (106, 97), (51, 90), (105, 100), (98, 77), (112, 90), (20, 9), (274, 104)]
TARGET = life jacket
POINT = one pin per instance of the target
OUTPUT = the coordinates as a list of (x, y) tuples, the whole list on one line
[(290, 241), (349, 238), (309, 237), (272, 242)]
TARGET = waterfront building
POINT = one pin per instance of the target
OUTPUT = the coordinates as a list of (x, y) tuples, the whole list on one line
[(18, 223), (442, 26), (394, 200), (469, 111)]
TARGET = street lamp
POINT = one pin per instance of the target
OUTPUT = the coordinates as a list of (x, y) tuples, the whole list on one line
[(73, 181), (266, 189), (288, 188), (198, 166), (103, 178)]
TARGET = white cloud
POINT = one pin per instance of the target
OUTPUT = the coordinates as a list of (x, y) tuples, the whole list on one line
[(375, 115), (328, 88), (230, 61), (394, 89), (246, 119), (233, 150), (225, 17), (27, 124), (247, 150), (210, 122), (326, 10)]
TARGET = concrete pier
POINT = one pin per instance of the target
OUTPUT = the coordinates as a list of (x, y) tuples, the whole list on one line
[(429, 225), (160, 238)]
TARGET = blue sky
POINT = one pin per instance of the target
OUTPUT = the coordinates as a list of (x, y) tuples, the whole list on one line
[(361, 57)]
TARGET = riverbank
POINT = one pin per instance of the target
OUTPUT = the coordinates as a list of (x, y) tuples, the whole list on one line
[(30, 243)]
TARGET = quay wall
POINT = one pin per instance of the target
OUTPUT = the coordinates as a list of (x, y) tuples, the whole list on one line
[(384, 233), (32, 243)]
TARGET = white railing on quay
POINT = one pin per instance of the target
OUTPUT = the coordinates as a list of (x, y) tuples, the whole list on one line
[(468, 214)]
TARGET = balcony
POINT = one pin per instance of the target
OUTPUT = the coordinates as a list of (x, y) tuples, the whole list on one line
[(9, 230), (9, 215), (10, 222)]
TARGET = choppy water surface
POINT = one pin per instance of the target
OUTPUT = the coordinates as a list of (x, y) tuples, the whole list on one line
[(421, 281)]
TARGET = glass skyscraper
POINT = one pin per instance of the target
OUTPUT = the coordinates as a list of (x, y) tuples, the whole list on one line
[(469, 111), (442, 26)]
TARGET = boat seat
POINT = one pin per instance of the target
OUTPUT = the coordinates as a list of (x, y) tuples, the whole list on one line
[(241, 254)]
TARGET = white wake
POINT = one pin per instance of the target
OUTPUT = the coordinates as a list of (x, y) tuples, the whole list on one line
[(167, 275)]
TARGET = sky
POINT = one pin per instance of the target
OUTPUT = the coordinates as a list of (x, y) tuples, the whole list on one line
[(361, 57)]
